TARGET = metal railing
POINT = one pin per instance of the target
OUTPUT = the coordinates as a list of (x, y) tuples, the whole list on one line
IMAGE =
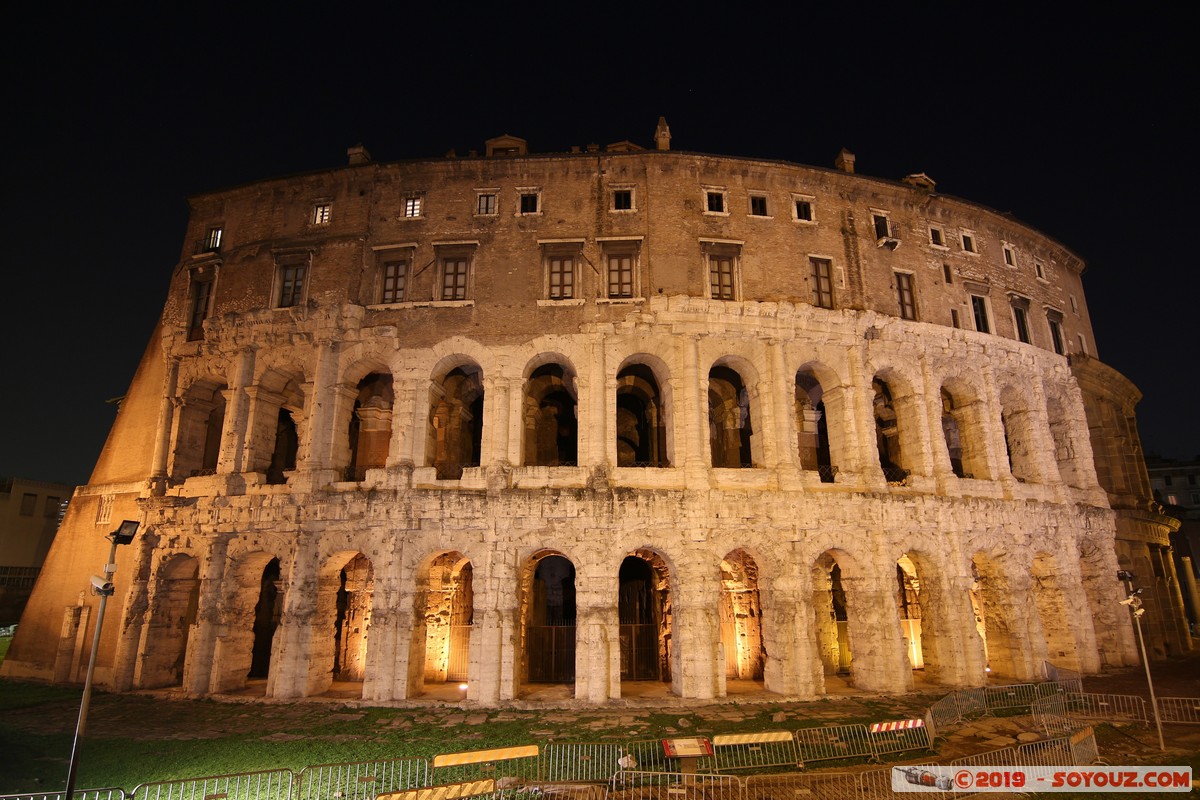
[(361, 780), (755, 751), (264, 785), (1181, 710)]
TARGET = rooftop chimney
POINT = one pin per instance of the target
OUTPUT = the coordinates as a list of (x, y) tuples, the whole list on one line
[(662, 135), (845, 161), (358, 155)]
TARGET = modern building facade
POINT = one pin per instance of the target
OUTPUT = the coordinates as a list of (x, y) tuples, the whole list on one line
[(597, 417), (29, 515)]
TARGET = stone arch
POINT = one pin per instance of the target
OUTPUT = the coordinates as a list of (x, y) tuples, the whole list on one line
[(455, 433), (200, 426), (174, 601), (741, 617), (645, 611), (250, 614), (445, 611), (345, 591), (369, 428), (550, 424), (732, 416), (1050, 589), (814, 445), (963, 429), (548, 616), (643, 413), (275, 430), (1020, 439), (897, 436), (1070, 466), (994, 594), (832, 610), (925, 606)]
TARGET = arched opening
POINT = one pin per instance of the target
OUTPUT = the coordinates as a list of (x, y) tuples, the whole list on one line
[(729, 423), (456, 422), (551, 429), (448, 613), (741, 618), (345, 591), (951, 433), (370, 429), (276, 417), (548, 617), (266, 620), (832, 620), (644, 611), (287, 444), (201, 421), (991, 602), (908, 602), (962, 428), (172, 615), (812, 427), (1019, 443), (887, 433), (1054, 612), (642, 418), (1069, 468)]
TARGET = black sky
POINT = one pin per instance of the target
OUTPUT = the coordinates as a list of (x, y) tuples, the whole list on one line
[(1077, 123)]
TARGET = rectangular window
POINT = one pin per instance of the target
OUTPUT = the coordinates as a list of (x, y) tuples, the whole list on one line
[(804, 210), (622, 200), (721, 276), (1039, 270), (1074, 305), (979, 310), (714, 202), (1082, 344), (620, 275), (394, 280), (485, 204), (904, 290), (947, 274), (1056, 336), (954, 323), (562, 277), (758, 205), (968, 243), (201, 298), (291, 285), (529, 203), (822, 278), (882, 229), (1021, 322), (1010, 256), (455, 272), (936, 237), (51, 509), (322, 213), (212, 240), (413, 206), (28, 502)]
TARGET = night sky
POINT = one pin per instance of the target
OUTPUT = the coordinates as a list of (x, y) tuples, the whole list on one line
[(1077, 125)]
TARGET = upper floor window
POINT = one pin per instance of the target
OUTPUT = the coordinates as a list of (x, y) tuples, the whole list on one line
[(1020, 310), (822, 282), (979, 311), (758, 205), (1010, 256), (1039, 270), (622, 199), (28, 503), (714, 201), (885, 232), (414, 206), (621, 269), (968, 242), (393, 279), (486, 204), (321, 213), (904, 291), (291, 277), (212, 239), (529, 201), (201, 304), (803, 209), (562, 270), (456, 276), (937, 237), (1054, 318), (949, 277), (722, 270)]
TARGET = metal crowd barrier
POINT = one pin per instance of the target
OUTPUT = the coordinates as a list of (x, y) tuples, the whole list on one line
[(755, 750), (79, 794), (833, 741), (899, 740), (800, 784), (361, 780), (971, 702), (675, 786), (1181, 710), (1017, 695), (1107, 707), (265, 785), (508, 766), (583, 761)]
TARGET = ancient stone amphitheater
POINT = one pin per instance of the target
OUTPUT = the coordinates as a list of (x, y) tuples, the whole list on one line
[(613, 419)]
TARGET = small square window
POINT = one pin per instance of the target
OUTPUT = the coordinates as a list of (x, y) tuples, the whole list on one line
[(758, 205), (1010, 256), (322, 213), (52, 507), (714, 202), (413, 206), (822, 278), (28, 502), (804, 210), (212, 240), (622, 200), (968, 243), (485, 204), (936, 237), (529, 203), (393, 275)]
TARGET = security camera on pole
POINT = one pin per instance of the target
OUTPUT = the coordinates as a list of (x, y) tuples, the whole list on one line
[(1134, 603), (103, 586)]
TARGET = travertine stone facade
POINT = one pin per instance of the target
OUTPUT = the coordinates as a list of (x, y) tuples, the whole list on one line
[(596, 417)]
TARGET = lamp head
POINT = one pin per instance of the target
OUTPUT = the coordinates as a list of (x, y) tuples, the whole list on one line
[(125, 533)]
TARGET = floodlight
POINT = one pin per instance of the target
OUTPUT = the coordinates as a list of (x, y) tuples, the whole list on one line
[(125, 533)]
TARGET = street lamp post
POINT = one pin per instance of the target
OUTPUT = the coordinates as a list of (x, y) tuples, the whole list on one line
[(1134, 602), (101, 585)]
